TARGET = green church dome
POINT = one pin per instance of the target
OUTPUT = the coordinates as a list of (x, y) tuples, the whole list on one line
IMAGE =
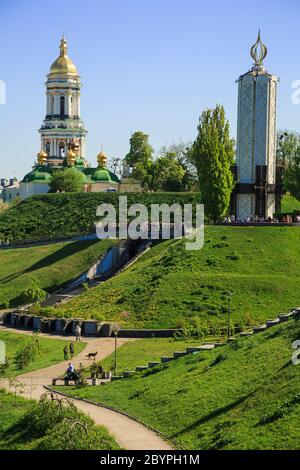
[(40, 174), (103, 175)]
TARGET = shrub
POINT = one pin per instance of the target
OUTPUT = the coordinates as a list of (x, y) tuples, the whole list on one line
[(26, 354), (33, 294)]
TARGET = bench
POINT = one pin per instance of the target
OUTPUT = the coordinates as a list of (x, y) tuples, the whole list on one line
[(64, 380)]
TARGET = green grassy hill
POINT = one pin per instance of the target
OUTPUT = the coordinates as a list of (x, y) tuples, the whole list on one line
[(52, 265), (245, 395), (56, 216), (170, 286)]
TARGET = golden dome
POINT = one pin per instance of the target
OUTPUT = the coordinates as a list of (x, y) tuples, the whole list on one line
[(63, 64), (71, 157), (102, 158), (42, 157)]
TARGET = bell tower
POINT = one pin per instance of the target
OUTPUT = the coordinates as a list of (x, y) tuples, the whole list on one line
[(62, 127), (255, 191)]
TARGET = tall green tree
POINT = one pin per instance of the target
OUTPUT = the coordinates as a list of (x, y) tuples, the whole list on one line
[(140, 158), (189, 182), (291, 176), (167, 173), (213, 156), (68, 180), (287, 148)]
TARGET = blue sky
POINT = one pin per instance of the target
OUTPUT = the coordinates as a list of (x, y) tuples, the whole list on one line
[(150, 65)]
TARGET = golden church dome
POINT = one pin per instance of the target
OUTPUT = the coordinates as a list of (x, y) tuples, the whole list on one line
[(71, 157), (102, 158), (42, 157), (63, 64)]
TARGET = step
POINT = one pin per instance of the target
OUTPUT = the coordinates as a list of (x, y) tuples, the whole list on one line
[(203, 347), (259, 329), (153, 364), (166, 359), (207, 346), (177, 354), (231, 339), (270, 323), (246, 333), (141, 368), (295, 309), (296, 313), (116, 377), (285, 317), (127, 373)]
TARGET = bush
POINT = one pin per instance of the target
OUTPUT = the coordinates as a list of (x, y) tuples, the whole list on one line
[(26, 354), (33, 294), (58, 425)]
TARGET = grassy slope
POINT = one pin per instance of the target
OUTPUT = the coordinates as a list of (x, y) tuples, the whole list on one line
[(245, 395), (12, 435), (259, 265), (289, 204), (53, 265), (51, 351), (52, 216)]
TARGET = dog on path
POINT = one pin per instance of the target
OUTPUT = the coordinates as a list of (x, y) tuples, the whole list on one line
[(90, 355)]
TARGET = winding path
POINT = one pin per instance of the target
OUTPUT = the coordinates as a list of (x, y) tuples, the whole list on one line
[(129, 434)]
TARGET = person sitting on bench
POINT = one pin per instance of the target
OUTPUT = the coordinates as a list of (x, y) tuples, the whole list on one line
[(70, 370)]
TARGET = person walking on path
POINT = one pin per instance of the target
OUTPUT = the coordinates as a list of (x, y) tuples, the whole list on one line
[(72, 350), (66, 357), (78, 333)]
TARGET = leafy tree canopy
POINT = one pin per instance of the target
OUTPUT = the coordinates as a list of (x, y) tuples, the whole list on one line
[(213, 156), (68, 180)]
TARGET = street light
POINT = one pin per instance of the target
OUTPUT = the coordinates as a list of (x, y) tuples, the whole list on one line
[(115, 333), (228, 314)]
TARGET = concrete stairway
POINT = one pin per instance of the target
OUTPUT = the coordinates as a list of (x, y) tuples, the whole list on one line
[(176, 355), (282, 317)]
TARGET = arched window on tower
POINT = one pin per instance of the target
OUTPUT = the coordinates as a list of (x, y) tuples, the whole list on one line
[(62, 105), (71, 106), (61, 148), (52, 106), (47, 148)]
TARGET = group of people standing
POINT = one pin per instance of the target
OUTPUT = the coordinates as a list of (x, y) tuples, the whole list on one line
[(286, 219), (71, 348)]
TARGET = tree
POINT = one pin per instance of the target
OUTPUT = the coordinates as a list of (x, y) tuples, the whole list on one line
[(288, 157), (291, 176), (189, 181), (68, 180), (287, 148), (34, 294), (213, 155), (140, 157), (167, 173)]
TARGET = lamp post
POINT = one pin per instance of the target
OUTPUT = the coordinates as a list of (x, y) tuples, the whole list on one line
[(115, 332), (228, 315)]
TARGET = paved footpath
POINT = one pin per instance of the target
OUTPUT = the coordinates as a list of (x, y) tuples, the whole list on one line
[(130, 434)]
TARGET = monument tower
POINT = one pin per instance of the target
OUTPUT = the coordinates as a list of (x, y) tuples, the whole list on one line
[(256, 192), (62, 128)]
